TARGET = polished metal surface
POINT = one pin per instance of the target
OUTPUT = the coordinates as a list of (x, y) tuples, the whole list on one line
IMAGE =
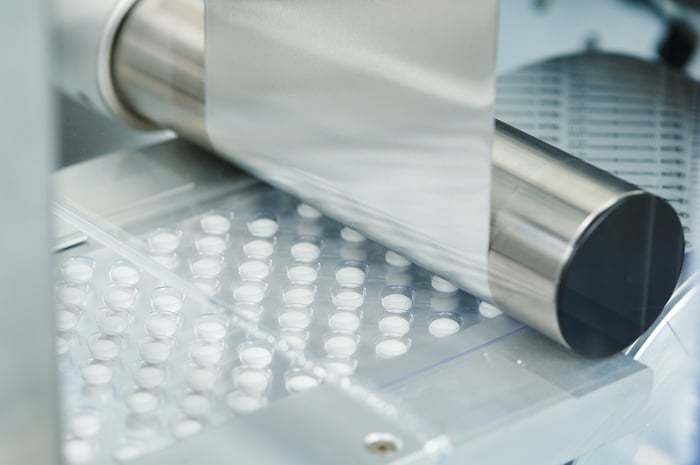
[(29, 430), (556, 221)]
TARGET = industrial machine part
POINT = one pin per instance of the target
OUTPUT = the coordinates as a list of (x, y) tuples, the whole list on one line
[(578, 254)]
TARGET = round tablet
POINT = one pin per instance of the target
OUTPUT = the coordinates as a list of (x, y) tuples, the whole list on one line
[(78, 451), (119, 295), (149, 376), (300, 294), (259, 248), (346, 320), (242, 403), (195, 404), (167, 299), (204, 352), (71, 293), (302, 272), (263, 227), (164, 241), (67, 318), (443, 327), (251, 379), (258, 269), (350, 235), (342, 366), (295, 338), (306, 251), (215, 223), (340, 344), (126, 453), (442, 285), (84, 425), (255, 356), (201, 378), (210, 327), (156, 350), (186, 427), (394, 324), (96, 373), (207, 284), (250, 291), (169, 261), (397, 302), (248, 311), (308, 212), (489, 311), (394, 259), (124, 272), (295, 317), (142, 402), (389, 348), (350, 275), (162, 324), (78, 269), (207, 265), (103, 347), (216, 245), (300, 382), (63, 343), (348, 297)]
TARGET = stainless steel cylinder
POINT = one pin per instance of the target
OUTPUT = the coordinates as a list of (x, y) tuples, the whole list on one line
[(575, 252)]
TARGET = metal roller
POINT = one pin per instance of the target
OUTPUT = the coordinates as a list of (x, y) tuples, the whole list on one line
[(580, 255)]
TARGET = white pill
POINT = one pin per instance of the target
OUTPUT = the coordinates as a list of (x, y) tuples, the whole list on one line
[(442, 285), (443, 327), (294, 318), (195, 404), (254, 269), (201, 378), (259, 248), (78, 451), (350, 275), (296, 338), (308, 212), (299, 294), (119, 296), (211, 245), (162, 324), (306, 251), (210, 328), (397, 301), (84, 425), (300, 382), (78, 269), (63, 343), (489, 311), (394, 324), (126, 453), (97, 373), (394, 259), (124, 273), (390, 348), (142, 402), (167, 303), (344, 320), (302, 273), (169, 261), (186, 427), (149, 376), (71, 294), (340, 365), (156, 350), (251, 379), (348, 298), (205, 352), (249, 311), (164, 241), (242, 404), (215, 223), (350, 235), (255, 356), (104, 349), (207, 265), (250, 291), (340, 344), (66, 319), (208, 285), (263, 227)]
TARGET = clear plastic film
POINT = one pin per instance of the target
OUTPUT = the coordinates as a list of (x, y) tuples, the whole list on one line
[(378, 113)]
